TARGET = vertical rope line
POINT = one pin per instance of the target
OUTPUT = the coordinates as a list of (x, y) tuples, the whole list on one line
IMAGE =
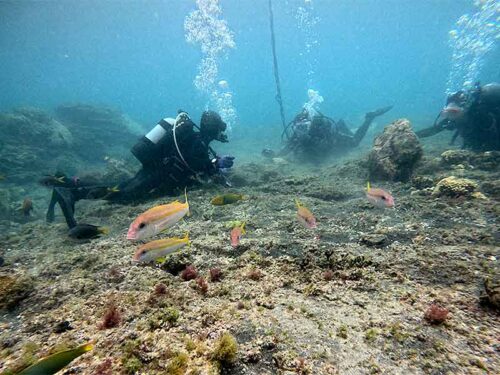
[(278, 97)]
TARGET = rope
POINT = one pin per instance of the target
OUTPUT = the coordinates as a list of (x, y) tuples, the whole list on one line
[(174, 127), (278, 97)]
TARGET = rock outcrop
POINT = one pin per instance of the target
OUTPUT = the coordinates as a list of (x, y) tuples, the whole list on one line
[(395, 153), (32, 141), (106, 129)]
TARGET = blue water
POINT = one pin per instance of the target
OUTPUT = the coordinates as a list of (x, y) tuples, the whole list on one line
[(134, 56)]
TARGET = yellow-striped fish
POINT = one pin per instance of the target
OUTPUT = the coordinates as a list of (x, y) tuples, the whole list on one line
[(57, 361), (228, 198), (157, 219), (305, 217), (160, 248)]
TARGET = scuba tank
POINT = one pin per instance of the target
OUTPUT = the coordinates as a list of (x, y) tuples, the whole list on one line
[(146, 150), (150, 148)]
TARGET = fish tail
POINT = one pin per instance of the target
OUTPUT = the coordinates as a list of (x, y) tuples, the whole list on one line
[(103, 230), (367, 185), (114, 189), (60, 179), (297, 202), (186, 196), (243, 228), (88, 346)]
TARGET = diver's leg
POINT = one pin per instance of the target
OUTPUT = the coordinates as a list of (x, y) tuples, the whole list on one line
[(50, 211), (369, 117), (138, 187), (65, 198), (454, 138)]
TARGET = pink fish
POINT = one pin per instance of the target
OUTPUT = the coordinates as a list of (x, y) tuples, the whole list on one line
[(236, 234), (305, 217), (379, 198)]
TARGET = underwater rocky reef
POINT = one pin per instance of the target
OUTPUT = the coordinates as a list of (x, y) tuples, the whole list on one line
[(413, 289), (35, 143)]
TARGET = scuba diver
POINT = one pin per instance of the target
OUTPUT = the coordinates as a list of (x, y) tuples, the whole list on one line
[(173, 155), (472, 114), (315, 136)]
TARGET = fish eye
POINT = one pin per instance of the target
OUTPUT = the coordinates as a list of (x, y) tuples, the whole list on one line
[(142, 225), (383, 198)]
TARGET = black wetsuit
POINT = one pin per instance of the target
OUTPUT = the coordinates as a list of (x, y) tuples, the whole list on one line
[(164, 171), (479, 125), (316, 138)]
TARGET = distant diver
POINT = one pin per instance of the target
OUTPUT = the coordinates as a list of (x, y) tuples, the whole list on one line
[(315, 136), (173, 155), (472, 114)]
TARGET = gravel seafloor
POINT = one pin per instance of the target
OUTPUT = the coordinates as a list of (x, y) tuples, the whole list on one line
[(346, 298)]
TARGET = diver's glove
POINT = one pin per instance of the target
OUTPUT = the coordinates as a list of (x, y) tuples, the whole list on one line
[(224, 162)]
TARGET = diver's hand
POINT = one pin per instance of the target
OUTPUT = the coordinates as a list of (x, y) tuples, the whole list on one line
[(225, 162)]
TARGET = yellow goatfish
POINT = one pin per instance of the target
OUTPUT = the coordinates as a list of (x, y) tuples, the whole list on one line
[(160, 248), (55, 362), (305, 217), (157, 219)]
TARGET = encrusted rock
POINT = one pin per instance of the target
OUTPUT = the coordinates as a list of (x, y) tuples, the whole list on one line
[(395, 153), (422, 182), (13, 289), (455, 187), (451, 157), (374, 239), (491, 294)]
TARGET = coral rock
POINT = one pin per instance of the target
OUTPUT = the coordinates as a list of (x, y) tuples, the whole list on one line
[(436, 314), (451, 157), (13, 289), (395, 153), (455, 187), (491, 294)]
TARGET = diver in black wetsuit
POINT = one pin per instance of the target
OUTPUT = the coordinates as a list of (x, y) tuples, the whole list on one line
[(315, 137), (474, 115), (173, 155)]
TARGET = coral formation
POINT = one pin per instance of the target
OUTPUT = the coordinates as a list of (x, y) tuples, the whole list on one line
[(328, 275), (112, 316), (160, 289), (451, 157), (395, 153), (225, 349), (255, 274), (215, 274), (202, 285), (177, 364), (189, 273), (455, 187), (436, 314)]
